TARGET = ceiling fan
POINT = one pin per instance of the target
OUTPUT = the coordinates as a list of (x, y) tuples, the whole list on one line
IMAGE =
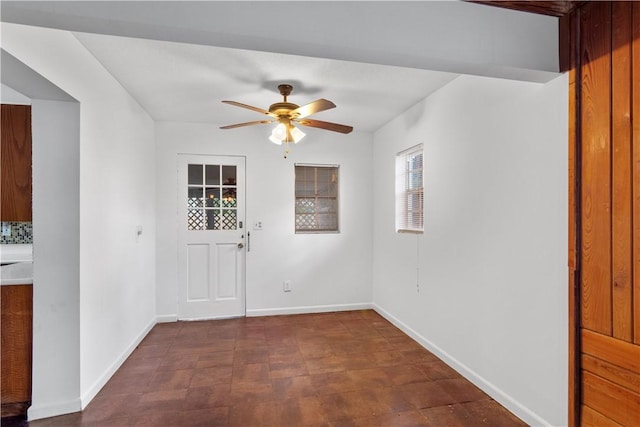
[(286, 114)]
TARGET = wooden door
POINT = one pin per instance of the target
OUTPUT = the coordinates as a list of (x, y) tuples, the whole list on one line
[(605, 88), (211, 253), (16, 163)]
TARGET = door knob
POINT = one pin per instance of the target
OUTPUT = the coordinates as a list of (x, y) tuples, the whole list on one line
[(240, 245)]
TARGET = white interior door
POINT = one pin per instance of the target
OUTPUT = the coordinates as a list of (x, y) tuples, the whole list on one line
[(211, 253)]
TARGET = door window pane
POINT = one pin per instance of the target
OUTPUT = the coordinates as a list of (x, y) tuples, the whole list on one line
[(229, 197), (228, 175), (195, 174), (229, 219), (212, 197), (194, 197), (195, 219), (212, 174), (213, 219)]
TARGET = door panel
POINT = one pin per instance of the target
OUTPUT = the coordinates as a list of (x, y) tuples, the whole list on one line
[(211, 255), (198, 272), (596, 169), (15, 150), (226, 256), (621, 226), (606, 37)]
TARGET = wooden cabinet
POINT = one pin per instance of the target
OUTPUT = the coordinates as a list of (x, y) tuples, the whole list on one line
[(16, 355), (16, 163)]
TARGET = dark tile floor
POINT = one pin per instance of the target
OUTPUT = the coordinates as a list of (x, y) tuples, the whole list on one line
[(330, 369)]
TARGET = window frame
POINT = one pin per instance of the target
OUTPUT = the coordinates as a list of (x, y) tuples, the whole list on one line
[(404, 213), (334, 230)]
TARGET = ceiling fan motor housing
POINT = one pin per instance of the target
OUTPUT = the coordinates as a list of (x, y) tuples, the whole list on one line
[(283, 108)]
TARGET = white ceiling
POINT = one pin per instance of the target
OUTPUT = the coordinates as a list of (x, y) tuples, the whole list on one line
[(186, 82), (179, 59)]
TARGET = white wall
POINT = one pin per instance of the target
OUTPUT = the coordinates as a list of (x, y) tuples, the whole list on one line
[(11, 96), (491, 264), (56, 253), (329, 271), (117, 194), (56, 272)]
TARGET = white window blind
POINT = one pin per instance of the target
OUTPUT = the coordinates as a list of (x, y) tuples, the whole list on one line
[(410, 190), (316, 198)]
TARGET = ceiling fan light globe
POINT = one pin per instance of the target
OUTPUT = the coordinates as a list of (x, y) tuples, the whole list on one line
[(278, 134), (275, 140), (297, 134)]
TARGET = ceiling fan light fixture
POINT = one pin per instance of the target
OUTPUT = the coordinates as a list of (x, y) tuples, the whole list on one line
[(286, 133)]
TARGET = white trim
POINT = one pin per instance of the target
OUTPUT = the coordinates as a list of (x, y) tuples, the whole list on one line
[(52, 410), (317, 165), (100, 382), (515, 407), (167, 318), (197, 319), (308, 309), (415, 148)]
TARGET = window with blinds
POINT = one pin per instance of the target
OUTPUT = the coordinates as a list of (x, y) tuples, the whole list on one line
[(410, 191), (316, 198)]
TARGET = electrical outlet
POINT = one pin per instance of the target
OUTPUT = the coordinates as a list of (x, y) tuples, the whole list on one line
[(287, 286), (6, 229), (257, 225)]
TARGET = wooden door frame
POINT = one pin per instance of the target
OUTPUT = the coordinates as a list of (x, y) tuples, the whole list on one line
[(569, 34)]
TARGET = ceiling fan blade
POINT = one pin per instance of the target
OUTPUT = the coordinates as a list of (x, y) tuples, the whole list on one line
[(239, 125), (326, 125), (249, 107), (312, 108)]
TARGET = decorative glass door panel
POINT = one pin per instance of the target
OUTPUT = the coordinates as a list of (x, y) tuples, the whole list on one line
[(212, 197)]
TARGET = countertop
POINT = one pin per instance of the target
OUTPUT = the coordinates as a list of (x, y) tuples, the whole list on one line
[(10, 253), (20, 273)]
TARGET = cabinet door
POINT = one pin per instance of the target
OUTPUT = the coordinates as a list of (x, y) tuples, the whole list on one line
[(16, 354), (16, 163)]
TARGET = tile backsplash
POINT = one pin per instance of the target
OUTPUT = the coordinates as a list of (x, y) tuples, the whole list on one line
[(21, 232)]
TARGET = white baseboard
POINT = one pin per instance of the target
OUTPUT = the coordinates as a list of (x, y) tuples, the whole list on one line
[(308, 309), (87, 397), (497, 394), (198, 319), (52, 410), (167, 318)]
